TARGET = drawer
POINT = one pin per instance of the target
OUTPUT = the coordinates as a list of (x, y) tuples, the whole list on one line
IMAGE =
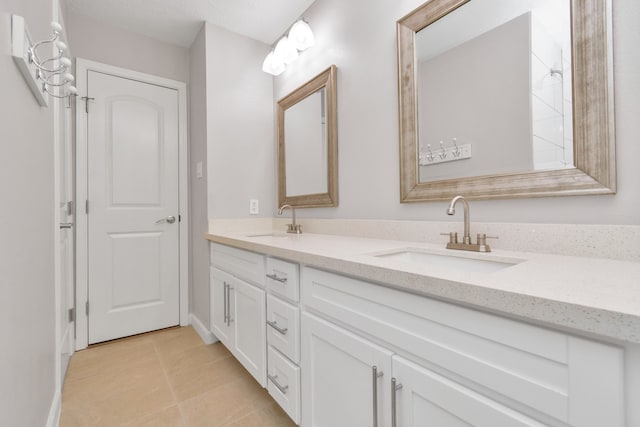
[(283, 383), (554, 373), (282, 278), (283, 327), (242, 264)]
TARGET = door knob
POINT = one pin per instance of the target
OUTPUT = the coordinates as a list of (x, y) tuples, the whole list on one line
[(170, 219)]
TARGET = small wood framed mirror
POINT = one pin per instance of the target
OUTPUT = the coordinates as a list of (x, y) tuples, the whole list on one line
[(308, 144)]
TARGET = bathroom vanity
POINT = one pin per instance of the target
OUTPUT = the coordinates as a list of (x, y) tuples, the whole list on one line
[(348, 331)]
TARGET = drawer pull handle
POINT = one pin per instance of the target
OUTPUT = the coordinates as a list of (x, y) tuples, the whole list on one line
[(375, 374), (395, 386), (274, 379), (275, 326), (276, 278)]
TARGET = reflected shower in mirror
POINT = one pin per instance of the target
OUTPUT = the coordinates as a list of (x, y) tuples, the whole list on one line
[(308, 144), (496, 76)]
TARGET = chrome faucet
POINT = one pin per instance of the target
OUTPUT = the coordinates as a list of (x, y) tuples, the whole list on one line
[(293, 227), (466, 245), (466, 239)]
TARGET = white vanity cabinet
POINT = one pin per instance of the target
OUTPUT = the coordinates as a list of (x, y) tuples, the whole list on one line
[(421, 395), (342, 377), (238, 308), (338, 351), (457, 366)]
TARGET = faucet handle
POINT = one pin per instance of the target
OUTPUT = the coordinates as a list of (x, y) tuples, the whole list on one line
[(294, 229), (482, 238), (453, 236)]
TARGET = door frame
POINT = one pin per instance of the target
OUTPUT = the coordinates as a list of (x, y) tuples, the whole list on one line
[(83, 66)]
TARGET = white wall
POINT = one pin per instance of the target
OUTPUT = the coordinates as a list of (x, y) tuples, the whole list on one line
[(359, 37), (27, 319), (199, 259), (240, 126), (115, 46)]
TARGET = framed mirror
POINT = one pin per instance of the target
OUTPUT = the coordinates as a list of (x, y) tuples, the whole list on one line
[(506, 99), (308, 144)]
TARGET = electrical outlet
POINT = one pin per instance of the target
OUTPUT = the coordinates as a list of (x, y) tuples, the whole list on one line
[(254, 207)]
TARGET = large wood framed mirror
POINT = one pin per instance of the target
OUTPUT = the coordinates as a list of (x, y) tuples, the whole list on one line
[(308, 144), (506, 99)]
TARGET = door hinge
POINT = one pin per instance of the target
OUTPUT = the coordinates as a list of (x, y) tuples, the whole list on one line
[(86, 308), (86, 207), (179, 218), (70, 207), (72, 314)]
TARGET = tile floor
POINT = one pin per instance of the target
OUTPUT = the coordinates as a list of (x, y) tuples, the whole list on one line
[(164, 378)]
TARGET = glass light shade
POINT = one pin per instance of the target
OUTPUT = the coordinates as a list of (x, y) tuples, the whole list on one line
[(273, 64), (61, 46), (301, 35), (72, 90), (66, 62), (56, 27), (286, 50)]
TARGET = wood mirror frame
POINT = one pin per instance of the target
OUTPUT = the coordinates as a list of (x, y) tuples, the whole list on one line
[(326, 79), (593, 117)]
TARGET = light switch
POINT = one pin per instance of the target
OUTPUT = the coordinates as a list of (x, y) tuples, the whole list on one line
[(254, 208), (199, 170)]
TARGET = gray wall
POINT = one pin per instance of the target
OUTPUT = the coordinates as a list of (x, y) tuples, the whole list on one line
[(480, 93), (199, 259), (115, 46), (240, 126), (359, 37), (27, 319)]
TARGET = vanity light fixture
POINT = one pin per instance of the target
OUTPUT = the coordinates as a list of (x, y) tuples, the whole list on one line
[(301, 35), (299, 38), (50, 76), (286, 50)]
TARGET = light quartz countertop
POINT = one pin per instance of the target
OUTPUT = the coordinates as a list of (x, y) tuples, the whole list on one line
[(584, 295)]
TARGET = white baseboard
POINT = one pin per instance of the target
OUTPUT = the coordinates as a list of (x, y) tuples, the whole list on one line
[(204, 332), (54, 412)]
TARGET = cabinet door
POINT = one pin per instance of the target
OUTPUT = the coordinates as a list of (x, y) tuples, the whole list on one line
[(426, 398), (338, 385), (221, 299), (250, 341)]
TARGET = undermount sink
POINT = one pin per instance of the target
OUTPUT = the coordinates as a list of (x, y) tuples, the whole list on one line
[(461, 263)]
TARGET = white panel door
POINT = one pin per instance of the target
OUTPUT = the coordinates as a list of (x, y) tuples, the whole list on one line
[(133, 215), (338, 385), (426, 398)]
